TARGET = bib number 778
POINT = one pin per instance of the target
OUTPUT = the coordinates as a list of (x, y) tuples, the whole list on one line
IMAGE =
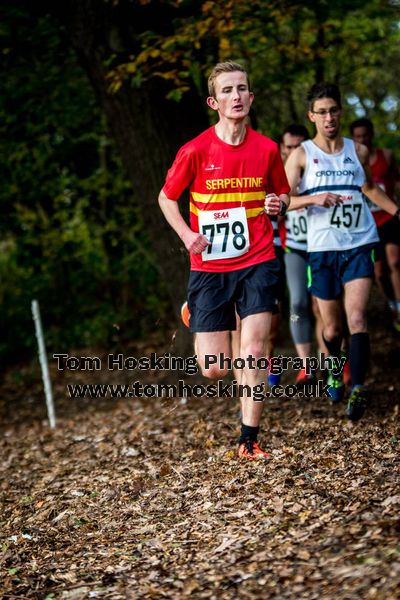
[(238, 239), (227, 231)]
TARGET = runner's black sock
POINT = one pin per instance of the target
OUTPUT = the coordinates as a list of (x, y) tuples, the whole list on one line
[(334, 348), (248, 433), (333, 345), (359, 354)]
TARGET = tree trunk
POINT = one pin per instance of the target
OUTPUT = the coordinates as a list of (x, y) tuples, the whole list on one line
[(147, 128)]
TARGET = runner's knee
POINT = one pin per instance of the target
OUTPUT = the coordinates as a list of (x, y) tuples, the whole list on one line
[(332, 331), (357, 322), (394, 263), (212, 371), (253, 348)]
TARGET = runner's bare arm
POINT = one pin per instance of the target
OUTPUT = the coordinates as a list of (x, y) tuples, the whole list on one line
[(194, 242), (295, 166), (370, 188), (394, 170)]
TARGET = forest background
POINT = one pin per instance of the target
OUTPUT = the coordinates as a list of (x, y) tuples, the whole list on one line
[(98, 95)]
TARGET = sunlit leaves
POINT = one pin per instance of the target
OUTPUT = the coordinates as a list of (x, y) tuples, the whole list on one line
[(285, 45)]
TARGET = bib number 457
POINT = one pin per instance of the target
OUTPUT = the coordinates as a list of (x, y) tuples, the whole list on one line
[(346, 215)]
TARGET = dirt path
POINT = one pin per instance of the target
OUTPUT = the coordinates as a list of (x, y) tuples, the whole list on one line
[(145, 499)]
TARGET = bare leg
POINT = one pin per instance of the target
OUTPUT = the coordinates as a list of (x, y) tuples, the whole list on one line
[(331, 316), (383, 280), (355, 303), (393, 261), (253, 335), (255, 329), (212, 344), (319, 327), (235, 342)]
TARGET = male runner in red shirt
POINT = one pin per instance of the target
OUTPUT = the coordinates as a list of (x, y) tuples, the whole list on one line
[(229, 169)]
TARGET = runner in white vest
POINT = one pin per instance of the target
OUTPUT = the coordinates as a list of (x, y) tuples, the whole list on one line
[(328, 176), (296, 262)]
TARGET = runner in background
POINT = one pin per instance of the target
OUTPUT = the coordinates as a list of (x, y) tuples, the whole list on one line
[(236, 177), (291, 139), (329, 176), (296, 263), (387, 255)]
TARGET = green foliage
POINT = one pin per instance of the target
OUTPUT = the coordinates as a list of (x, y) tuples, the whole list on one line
[(71, 234), (286, 46)]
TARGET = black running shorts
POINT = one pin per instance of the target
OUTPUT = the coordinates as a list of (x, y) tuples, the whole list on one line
[(213, 297), (389, 233)]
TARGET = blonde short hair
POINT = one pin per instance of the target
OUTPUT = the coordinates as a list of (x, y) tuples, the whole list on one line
[(224, 67)]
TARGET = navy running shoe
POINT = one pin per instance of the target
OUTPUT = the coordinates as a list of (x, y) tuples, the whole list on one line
[(274, 379), (336, 387), (357, 403)]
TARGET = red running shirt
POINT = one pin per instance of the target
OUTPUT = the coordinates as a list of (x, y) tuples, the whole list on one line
[(222, 176), (383, 176)]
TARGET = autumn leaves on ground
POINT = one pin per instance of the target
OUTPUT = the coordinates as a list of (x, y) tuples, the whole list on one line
[(145, 499)]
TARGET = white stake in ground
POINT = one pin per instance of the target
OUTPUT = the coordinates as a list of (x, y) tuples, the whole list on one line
[(43, 363)]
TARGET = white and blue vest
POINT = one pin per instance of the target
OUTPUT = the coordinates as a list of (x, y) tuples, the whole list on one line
[(344, 226)]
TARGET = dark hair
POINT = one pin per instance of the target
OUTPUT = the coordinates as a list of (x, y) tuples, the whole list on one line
[(363, 122), (323, 90), (295, 129)]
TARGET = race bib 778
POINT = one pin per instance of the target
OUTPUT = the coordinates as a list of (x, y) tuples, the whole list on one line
[(227, 230)]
